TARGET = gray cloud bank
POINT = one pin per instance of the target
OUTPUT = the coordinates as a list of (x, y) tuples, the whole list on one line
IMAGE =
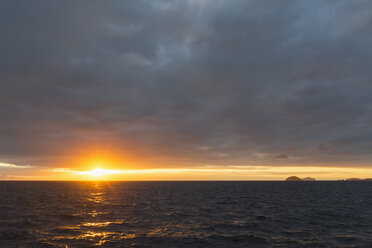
[(218, 82)]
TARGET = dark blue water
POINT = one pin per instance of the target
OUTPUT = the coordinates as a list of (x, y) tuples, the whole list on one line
[(185, 214)]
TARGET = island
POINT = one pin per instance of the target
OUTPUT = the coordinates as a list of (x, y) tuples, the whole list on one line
[(358, 179), (353, 179), (294, 178), (308, 179)]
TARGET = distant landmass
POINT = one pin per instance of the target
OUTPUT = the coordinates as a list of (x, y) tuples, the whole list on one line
[(358, 179), (294, 178), (308, 179), (353, 179)]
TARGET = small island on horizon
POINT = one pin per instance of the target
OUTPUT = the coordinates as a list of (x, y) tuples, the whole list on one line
[(357, 179), (295, 178)]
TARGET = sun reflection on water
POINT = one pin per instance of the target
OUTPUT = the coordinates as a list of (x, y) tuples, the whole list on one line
[(100, 224), (92, 224), (96, 197)]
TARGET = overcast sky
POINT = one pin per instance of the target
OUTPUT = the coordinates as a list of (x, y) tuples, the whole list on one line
[(218, 82)]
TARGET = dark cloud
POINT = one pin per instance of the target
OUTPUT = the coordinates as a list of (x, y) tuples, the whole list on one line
[(281, 155), (218, 82)]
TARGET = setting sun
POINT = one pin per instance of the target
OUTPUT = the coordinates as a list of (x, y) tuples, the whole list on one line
[(97, 172)]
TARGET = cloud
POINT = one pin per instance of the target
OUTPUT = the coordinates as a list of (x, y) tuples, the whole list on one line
[(163, 79), (5, 165), (281, 156)]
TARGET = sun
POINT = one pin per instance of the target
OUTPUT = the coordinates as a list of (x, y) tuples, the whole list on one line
[(100, 173), (97, 172)]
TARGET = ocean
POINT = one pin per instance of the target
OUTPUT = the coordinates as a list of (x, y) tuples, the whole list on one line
[(186, 214)]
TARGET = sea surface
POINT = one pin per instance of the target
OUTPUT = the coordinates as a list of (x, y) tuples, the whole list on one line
[(185, 214)]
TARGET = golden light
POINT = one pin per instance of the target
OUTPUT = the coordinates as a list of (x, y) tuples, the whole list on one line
[(102, 156), (97, 172), (214, 173)]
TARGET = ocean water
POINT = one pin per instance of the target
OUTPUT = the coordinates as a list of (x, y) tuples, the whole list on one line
[(185, 214)]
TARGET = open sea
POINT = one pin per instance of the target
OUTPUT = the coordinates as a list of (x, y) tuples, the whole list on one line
[(186, 214)]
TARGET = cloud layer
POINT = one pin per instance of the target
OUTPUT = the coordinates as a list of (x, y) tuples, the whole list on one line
[(215, 82)]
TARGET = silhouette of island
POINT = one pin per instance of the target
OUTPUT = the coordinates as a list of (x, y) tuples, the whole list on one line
[(308, 179), (353, 179), (294, 178), (358, 179)]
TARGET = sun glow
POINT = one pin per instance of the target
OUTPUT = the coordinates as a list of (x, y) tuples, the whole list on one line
[(213, 173), (98, 172)]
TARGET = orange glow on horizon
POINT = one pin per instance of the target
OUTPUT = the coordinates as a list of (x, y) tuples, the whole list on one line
[(100, 157), (211, 173), (111, 165), (98, 172)]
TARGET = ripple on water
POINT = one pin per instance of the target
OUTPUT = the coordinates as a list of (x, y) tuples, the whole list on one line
[(180, 214)]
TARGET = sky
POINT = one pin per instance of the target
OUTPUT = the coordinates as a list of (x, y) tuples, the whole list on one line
[(185, 89)]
